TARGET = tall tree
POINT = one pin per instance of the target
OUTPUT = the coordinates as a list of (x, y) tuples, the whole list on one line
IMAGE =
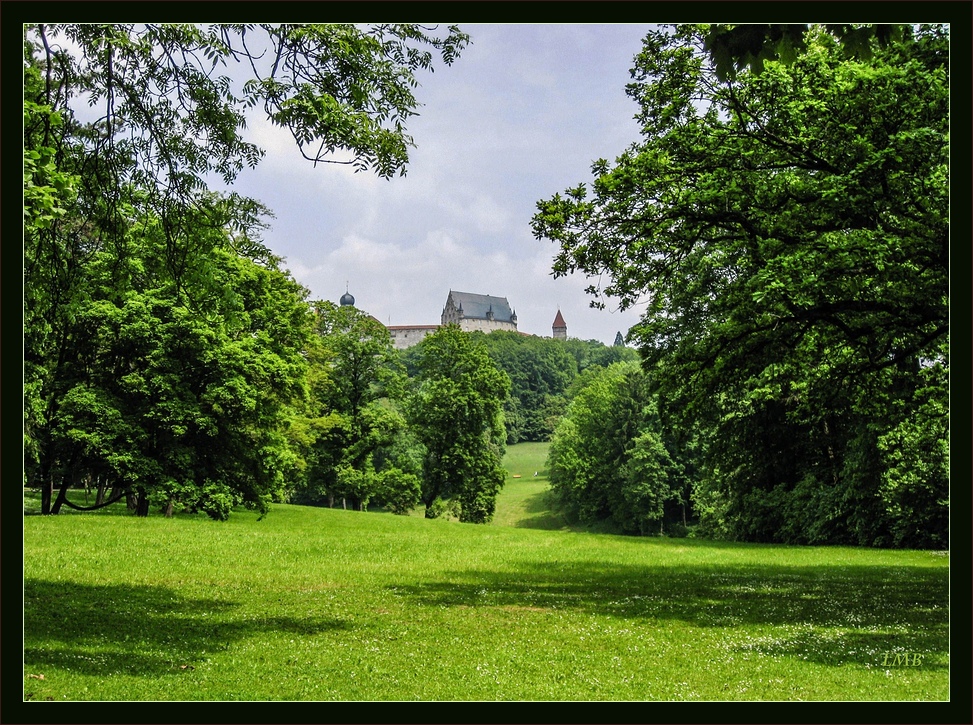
[(456, 410), (358, 379), (788, 230), (123, 125), (177, 395)]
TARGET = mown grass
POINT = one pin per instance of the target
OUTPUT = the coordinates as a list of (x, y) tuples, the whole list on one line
[(524, 500), (318, 604), (312, 604)]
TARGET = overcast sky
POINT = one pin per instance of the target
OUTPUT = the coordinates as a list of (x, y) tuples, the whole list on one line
[(518, 117)]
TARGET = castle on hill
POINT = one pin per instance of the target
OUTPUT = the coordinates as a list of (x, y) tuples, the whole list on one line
[(472, 312)]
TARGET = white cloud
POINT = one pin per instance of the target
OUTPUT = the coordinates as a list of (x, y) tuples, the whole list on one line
[(402, 285), (519, 117)]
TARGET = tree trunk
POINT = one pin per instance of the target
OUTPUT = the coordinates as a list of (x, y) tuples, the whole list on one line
[(47, 489), (169, 508), (62, 494), (142, 508), (102, 485), (831, 456), (46, 471)]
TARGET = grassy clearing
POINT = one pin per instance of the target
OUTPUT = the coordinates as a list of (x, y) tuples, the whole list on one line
[(523, 501), (318, 604)]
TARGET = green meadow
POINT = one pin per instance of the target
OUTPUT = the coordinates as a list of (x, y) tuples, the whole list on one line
[(321, 604), (524, 500)]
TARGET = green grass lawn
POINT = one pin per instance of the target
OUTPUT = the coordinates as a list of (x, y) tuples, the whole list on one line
[(319, 604), (523, 502)]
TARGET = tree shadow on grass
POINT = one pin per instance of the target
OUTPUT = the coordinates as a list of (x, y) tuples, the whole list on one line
[(866, 610), (541, 514), (137, 630)]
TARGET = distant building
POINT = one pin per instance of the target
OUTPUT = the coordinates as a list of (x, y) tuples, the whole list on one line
[(472, 312), (560, 327), (619, 340), (478, 312), (348, 300)]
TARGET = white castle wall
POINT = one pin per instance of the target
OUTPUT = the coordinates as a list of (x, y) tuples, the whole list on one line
[(404, 336), (485, 325)]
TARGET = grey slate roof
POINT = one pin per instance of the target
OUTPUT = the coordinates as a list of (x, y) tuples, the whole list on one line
[(476, 306)]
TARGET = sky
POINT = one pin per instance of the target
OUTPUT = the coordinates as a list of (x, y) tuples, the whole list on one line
[(519, 117)]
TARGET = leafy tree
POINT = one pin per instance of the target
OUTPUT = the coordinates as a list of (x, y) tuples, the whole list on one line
[(177, 395), (735, 47), (355, 373), (915, 482), (159, 118), (456, 411), (608, 460), (788, 230), (399, 491), (649, 482)]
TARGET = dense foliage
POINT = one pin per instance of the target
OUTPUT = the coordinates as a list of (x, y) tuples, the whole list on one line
[(541, 372), (456, 411), (172, 392), (735, 47), (165, 348), (351, 415), (788, 230), (608, 459)]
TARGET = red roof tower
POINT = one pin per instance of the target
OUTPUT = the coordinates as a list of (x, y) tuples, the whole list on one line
[(560, 327)]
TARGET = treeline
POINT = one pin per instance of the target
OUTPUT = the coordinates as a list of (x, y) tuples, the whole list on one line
[(612, 461), (623, 454), (542, 371), (786, 222), (427, 425), (369, 432), (234, 390)]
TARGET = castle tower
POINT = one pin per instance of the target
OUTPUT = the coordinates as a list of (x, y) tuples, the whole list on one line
[(560, 327)]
